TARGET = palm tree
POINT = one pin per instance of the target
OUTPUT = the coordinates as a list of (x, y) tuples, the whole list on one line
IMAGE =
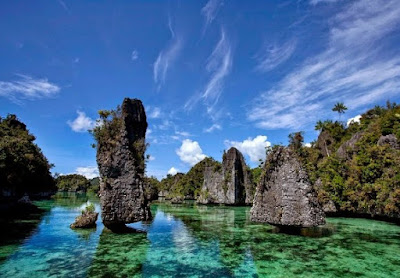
[(320, 125), (340, 108)]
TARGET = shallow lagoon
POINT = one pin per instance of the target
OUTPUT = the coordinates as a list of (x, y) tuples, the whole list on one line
[(199, 241)]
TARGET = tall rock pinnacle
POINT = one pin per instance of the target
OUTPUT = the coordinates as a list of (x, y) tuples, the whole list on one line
[(120, 157), (230, 184)]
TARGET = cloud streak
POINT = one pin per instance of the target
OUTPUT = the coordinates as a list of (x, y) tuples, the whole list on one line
[(28, 88), (274, 55), (166, 58), (219, 65), (352, 68), (210, 11)]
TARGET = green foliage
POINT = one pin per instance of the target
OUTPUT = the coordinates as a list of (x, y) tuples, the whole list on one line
[(94, 185), (23, 167), (296, 140), (73, 183), (256, 175), (108, 128), (188, 185), (368, 182), (151, 189), (89, 209)]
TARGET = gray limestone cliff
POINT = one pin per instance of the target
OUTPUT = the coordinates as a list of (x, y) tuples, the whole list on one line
[(390, 140), (120, 157), (346, 150), (284, 195), (231, 184), (325, 143)]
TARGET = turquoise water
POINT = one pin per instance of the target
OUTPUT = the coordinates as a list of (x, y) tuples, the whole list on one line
[(199, 241)]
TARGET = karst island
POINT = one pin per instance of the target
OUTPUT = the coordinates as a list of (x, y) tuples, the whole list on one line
[(203, 138)]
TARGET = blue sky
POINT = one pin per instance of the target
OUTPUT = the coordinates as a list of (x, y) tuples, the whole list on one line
[(211, 74)]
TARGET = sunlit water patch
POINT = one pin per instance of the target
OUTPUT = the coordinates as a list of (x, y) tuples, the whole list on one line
[(200, 241)]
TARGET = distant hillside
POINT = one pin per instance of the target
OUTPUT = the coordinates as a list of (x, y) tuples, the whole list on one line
[(77, 183), (187, 185), (23, 167)]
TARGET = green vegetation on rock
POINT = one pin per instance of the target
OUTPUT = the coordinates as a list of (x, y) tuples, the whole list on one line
[(188, 185), (362, 174)]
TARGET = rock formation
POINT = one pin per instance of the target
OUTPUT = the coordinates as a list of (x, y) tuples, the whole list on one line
[(390, 140), (86, 220), (345, 150), (120, 157), (229, 184), (325, 143), (284, 195)]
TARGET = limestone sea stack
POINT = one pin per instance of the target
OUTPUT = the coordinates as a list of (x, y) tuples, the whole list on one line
[(120, 156), (284, 195), (229, 184)]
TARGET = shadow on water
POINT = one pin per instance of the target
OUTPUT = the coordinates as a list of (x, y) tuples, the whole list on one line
[(85, 234), (313, 232), (119, 255), (17, 222)]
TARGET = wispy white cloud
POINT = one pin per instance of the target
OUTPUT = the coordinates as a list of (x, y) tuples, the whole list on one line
[(353, 68), (89, 172), (212, 128), (219, 65), (82, 123), (154, 112), (166, 58), (27, 87), (209, 11), (183, 133), (190, 152), (63, 5), (316, 2), (255, 148), (134, 55), (273, 55)]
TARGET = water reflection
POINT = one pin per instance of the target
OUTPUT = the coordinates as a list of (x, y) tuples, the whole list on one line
[(119, 255), (201, 241)]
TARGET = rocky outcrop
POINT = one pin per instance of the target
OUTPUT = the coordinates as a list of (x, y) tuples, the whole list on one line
[(390, 140), (86, 220), (120, 157), (325, 143), (229, 184), (284, 195), (346, 150)]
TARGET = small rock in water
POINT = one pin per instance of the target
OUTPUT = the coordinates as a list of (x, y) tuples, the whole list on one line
[(86, 220)]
